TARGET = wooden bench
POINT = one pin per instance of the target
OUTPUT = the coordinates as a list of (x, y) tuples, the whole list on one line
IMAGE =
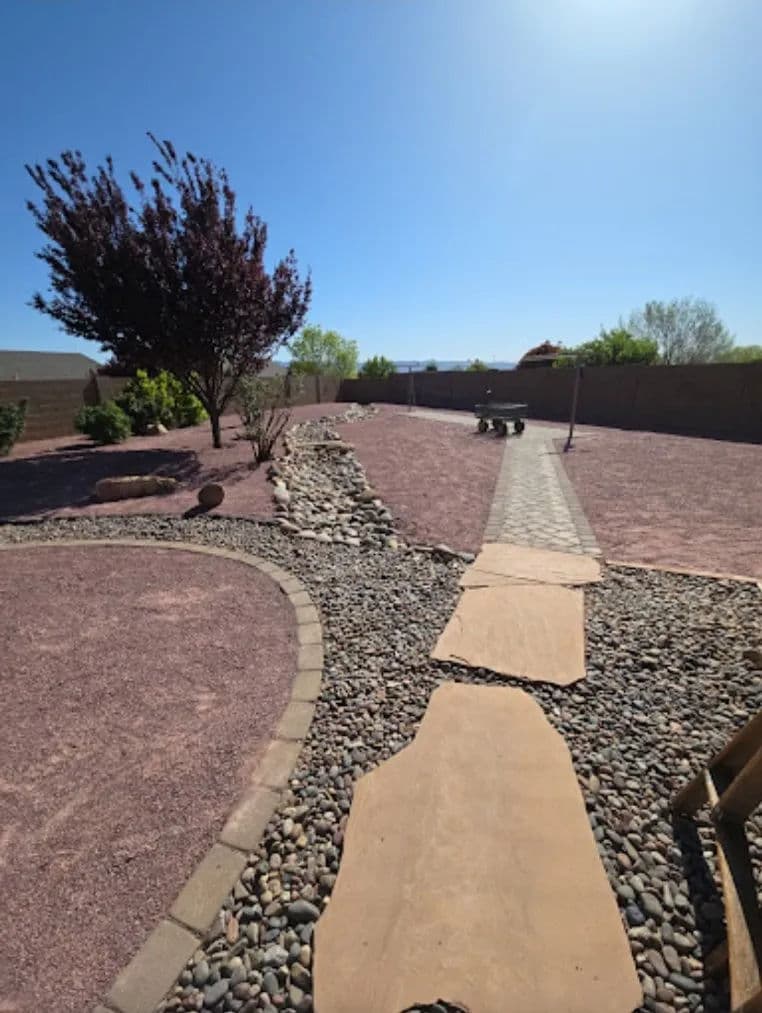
[(732, 785)]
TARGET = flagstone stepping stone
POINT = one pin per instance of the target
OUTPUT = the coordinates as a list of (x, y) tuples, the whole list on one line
[(470, 875), (503, 563), (529, 631)]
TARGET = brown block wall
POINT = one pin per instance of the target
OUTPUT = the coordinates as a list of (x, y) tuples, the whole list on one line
[(51, 405), (722, 401)]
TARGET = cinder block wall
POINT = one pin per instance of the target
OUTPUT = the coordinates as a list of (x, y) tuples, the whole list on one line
[(723, 401)]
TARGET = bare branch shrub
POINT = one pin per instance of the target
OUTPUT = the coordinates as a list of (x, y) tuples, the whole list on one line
[(264, 404)]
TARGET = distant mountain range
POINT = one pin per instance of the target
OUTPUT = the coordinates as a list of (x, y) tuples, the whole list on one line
[(445, 364), (442, 364)]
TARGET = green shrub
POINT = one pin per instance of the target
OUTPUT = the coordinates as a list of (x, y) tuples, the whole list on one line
[(188, 409), (377, 368), (150, 400), (104, 423), (12, 418)]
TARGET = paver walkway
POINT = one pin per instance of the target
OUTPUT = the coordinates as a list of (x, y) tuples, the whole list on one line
[(534, 502)]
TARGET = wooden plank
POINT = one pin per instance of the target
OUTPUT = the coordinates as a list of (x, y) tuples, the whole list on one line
[(742, 915), (741, 747), (730, 760), (691, 797), (754, 1005), (744, 792), (716, 961)]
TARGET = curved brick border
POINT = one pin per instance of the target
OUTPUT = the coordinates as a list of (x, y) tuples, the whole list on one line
[(142, 985)]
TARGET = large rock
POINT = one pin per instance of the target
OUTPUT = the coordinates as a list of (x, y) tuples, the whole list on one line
[(133, 486), (470, 874), (156, 429)]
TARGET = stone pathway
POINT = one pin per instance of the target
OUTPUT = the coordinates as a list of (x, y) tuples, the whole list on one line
[(534, 502)]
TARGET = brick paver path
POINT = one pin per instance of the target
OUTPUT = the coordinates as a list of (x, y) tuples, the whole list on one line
[(534, 502)]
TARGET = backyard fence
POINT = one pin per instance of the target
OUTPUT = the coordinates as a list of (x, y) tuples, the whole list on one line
[(723, 401), (53, 404)]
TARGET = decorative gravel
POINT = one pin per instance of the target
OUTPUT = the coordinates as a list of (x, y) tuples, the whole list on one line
[(670, 676)]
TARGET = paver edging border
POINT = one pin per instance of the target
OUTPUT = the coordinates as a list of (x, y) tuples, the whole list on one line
[(585, 532), (144, 982)]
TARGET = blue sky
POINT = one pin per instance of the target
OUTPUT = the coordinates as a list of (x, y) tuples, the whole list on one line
[(464, 178)]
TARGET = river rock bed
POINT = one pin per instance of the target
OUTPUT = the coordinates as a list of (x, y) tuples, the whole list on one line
[(322, 493), (670, 677), (320, 488)]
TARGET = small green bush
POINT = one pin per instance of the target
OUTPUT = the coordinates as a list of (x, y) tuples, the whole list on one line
[(377, 368), (12, 417), (104, 423), (149, 400), (188, 409)]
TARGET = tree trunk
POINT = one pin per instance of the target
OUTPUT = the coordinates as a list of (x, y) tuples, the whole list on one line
[(214, 418)]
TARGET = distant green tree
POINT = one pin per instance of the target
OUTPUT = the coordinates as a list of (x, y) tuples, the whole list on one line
[(318, 352), (431, 367), (616, 347), (377, 368), (477, 366), (742, 353), (12, 417), (686, 330)]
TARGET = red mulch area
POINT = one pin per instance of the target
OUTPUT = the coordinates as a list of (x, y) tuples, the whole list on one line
[(671, 500), (138, 687), (55, 478), (437, 477)]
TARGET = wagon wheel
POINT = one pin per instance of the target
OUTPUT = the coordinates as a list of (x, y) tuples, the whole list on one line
[(482, 425), (519, 426), (502, 428)]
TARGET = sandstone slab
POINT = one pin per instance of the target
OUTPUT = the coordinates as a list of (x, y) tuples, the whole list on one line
[(132, 486), (470, 874), (501, 563), (530, 631)]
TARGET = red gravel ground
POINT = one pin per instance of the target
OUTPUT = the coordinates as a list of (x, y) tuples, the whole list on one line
[(437, 478), (139, 686), (55, 478), (671, 500)]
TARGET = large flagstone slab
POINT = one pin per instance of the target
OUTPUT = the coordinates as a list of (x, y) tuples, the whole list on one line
[(470, 874), (530, 631), (501, 563)]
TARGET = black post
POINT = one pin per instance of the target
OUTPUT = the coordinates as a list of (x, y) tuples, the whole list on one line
[(575, 399)]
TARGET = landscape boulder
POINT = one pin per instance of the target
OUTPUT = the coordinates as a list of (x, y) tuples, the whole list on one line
[(211, 495), (133, 486), (156, 429)]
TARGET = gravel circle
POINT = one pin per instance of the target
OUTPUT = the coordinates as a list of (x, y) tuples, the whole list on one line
[(668, 682)]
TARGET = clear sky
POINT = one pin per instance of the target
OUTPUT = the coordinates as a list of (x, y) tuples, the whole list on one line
[(464, 177)]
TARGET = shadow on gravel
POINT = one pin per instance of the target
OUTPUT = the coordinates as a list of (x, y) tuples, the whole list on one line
[(36, 486), (708, 907)]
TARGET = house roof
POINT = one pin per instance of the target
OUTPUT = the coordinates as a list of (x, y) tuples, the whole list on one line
[(16, 365), (273, 369)]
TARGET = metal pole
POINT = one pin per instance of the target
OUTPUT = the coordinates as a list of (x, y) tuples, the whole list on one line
[(575, 398), (410, 389)]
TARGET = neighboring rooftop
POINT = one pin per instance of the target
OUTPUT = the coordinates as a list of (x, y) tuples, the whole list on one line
[(274, 369), (541, 355), (45, 365)]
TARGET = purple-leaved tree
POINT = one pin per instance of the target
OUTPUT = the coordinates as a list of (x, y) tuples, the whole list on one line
[(171, 281)]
